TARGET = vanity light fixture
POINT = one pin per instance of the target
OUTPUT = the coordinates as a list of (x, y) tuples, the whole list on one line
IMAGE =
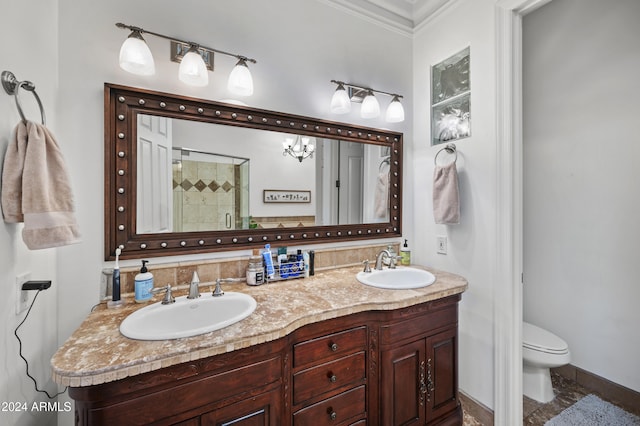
[(299, 148), (193, 70), (136, 58), (370, 107), (340, 102), (342, 99)]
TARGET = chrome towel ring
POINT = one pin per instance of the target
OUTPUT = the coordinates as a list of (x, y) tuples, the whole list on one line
[(449, 149), (12, 86)]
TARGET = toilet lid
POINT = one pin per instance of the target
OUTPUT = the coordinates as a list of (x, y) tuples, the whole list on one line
[(539, 339)]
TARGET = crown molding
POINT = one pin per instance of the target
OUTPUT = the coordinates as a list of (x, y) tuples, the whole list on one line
[(401, 16)]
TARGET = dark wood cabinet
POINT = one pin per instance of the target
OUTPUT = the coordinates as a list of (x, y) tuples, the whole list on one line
[(377, 368), (402, 400), (441, 375), (418, 368)]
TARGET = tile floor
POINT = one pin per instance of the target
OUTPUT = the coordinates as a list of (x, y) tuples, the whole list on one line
[(469, 420), (567, 393), (537, 414)]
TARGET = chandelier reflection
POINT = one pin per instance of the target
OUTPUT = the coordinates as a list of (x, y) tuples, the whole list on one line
[(299, 147)]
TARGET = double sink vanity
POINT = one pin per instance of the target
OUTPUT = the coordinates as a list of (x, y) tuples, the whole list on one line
[(321, 350), (342, 347)]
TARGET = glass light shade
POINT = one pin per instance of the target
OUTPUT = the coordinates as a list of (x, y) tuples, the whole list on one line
[(135, 56), (370, 107), (395, 111), (340, 102), (193, 70), (240, 80), (288, 143)]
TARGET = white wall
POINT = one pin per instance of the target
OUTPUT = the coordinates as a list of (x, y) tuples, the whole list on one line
[(30, 55), (581, 200), (471, 244)]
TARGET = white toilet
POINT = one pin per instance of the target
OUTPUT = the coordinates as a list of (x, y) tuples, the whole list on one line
[(541, 350)]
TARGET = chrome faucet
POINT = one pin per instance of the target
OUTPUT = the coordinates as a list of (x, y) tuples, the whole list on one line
[(217, 292), (194, 291), (379, 257), (168, 295)]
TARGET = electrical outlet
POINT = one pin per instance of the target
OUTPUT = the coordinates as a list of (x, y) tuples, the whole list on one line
[(22, 297), (441, 242)]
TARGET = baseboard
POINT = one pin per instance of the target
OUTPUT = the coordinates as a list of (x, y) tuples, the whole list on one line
[(480, 412), (617, 394)]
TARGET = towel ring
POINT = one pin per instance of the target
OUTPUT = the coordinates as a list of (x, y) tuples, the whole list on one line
[(450, 149), (12, 86)]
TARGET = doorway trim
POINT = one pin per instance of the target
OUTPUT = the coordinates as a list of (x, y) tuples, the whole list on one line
[(509, 211)]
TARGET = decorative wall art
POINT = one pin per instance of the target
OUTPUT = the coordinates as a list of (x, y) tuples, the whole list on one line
[(451, 98), (286, 196)]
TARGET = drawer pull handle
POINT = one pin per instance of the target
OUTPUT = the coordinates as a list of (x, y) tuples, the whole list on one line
[(333, 347), (332, 378), (332, 414)]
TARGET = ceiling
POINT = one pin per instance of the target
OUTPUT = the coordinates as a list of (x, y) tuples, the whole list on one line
[(402, 15)]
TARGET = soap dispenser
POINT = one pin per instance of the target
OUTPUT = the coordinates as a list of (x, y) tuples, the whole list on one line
[(405, 254), (143, 284)]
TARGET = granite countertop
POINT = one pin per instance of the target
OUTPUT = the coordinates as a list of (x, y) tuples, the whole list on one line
[(97, 353)]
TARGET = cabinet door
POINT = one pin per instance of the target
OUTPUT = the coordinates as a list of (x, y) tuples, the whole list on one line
[(261, 410), (441, 378), (401, 400)]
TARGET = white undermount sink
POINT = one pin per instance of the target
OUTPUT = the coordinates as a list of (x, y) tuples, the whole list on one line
[(187, 317), (400, 278)]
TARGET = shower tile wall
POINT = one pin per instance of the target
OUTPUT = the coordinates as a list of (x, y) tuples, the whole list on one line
[(206, 194)]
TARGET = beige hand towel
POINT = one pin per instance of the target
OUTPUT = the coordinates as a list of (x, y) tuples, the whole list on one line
[(36, 189), (446, 201), (381, 196)]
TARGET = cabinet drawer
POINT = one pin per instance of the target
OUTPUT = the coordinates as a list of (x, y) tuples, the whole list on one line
[(418, 326), (329, 376), (329, 347), (333, 410)]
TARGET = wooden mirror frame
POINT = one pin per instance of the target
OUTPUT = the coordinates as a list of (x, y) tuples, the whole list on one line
[(121, 106)]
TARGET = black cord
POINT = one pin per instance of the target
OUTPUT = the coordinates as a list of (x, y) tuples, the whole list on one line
[(25, 360)]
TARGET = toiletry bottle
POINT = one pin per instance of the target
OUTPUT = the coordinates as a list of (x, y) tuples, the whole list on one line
[(405, 254), (300, 261), (305, 262), (268, 261), (312, 262), (115, 284), (255, 271), (143, 284), (283, 266)]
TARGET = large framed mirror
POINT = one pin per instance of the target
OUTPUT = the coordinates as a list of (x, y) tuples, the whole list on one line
[(186, 175)]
